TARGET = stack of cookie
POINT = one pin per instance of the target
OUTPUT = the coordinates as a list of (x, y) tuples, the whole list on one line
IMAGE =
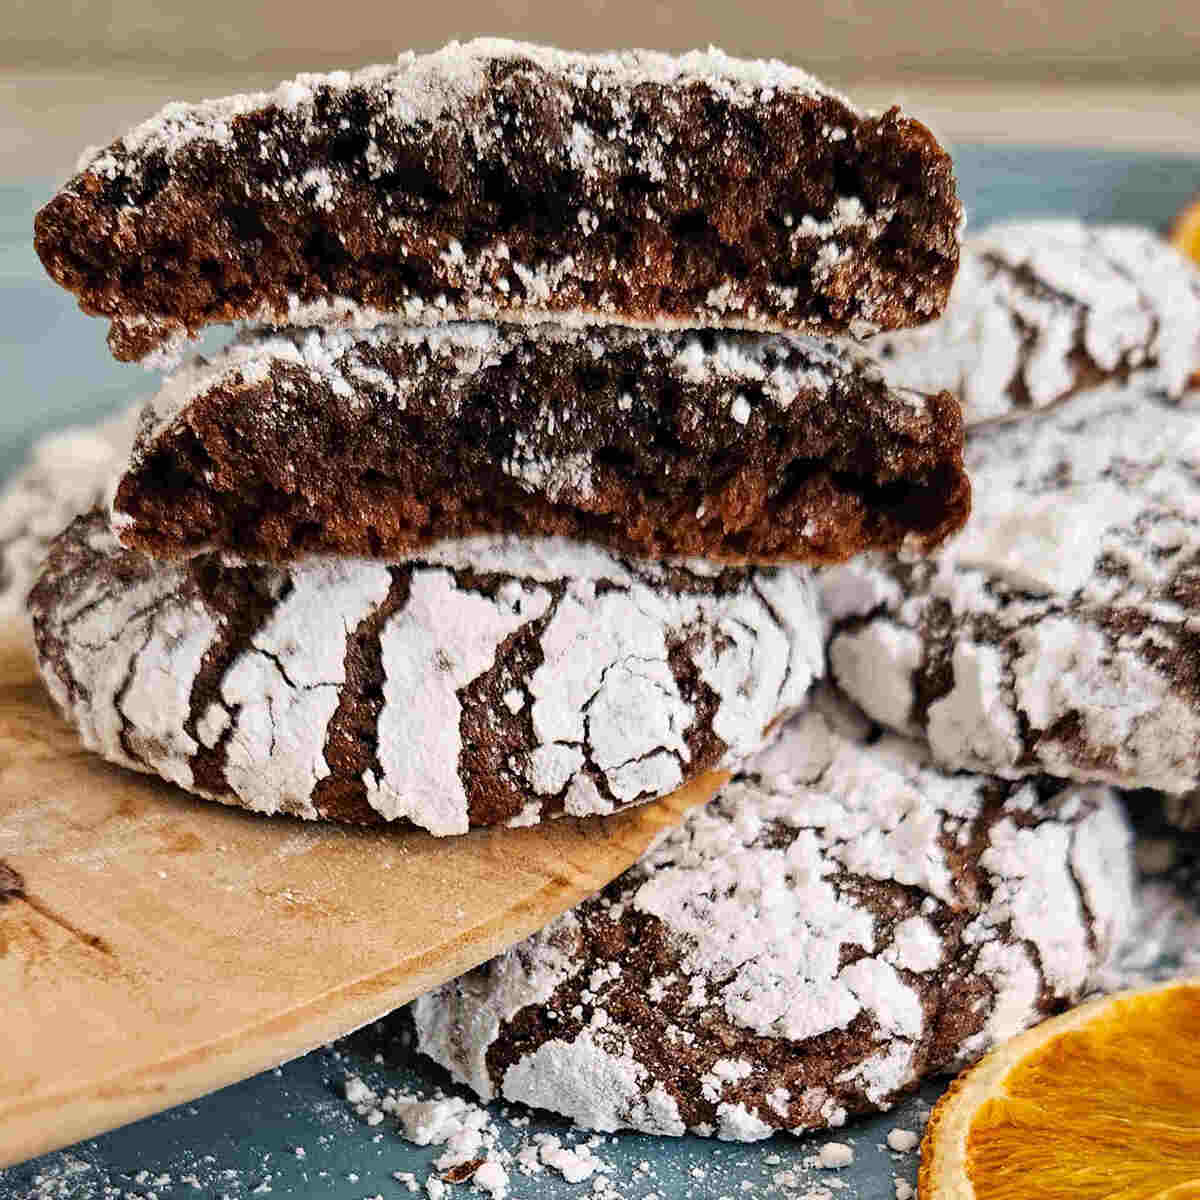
[(383, 563), (513, 511)]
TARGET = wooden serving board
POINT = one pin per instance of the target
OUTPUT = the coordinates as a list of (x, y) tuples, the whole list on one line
[(154, 947)]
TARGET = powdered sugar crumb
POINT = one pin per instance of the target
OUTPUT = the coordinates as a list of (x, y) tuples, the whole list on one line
[(833, 1156), (903, 1141)]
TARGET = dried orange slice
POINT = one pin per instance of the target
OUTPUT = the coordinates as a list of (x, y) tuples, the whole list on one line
[(1101, 1103), (1185, 236), (1185, 230)]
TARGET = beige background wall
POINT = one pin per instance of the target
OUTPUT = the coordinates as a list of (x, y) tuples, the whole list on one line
[(1056, 39), (1098, 73)]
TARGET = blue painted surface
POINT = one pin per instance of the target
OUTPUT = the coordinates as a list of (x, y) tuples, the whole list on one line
[(57, 371)]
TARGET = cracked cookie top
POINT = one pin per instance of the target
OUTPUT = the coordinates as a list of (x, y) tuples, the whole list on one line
[(499, 180), (841, 921), (661, 445), (1041, 309), (1058, 632), (496, 682)]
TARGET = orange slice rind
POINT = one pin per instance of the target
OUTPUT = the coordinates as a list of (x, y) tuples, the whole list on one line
[(1184, 235), (1185, 231), (1101, 1103)]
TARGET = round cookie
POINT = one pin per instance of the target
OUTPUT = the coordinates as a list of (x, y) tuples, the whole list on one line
[(487, 683), (66, 474), (1041, 309), (1058, 632), (658, 445), (839, 923)]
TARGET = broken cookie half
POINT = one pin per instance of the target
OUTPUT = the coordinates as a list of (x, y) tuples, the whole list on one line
[(483, 684), (502, 181), (839, 923), (678, 446)]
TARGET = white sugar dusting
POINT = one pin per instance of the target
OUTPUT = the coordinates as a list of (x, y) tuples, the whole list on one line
[(66, 474), (423, 88), (1030, 297)]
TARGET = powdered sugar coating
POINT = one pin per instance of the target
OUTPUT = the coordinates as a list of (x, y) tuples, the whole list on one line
[(1041, 308), (67, 473), (254, 685), (1057, 632), (839, 922)]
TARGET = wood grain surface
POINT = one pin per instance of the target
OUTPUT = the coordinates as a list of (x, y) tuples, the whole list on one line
[(154, 947)]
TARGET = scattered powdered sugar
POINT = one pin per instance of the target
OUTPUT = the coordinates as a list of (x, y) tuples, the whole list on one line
[(631, 672), (485, 1147), (758, 918), (66, 474), (833, 1156), (1041, 308), (369, 1107), (1056, 633)]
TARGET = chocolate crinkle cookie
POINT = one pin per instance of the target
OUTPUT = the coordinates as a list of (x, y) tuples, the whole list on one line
[(661, 445), (1042, 309), (486, 683), (499, 180), (67, 473), (839, 923), (1058, 632)]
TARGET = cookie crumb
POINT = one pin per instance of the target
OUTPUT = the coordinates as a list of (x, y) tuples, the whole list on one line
[(833, 1156)]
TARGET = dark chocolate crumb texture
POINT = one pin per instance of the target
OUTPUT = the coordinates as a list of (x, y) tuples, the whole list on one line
[(729, 447), (496, 681), (508, 181)]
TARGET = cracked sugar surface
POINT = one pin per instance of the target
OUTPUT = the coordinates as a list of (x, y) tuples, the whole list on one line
[(1041, 309), (289, 690), (66, 473), (840, 922)]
